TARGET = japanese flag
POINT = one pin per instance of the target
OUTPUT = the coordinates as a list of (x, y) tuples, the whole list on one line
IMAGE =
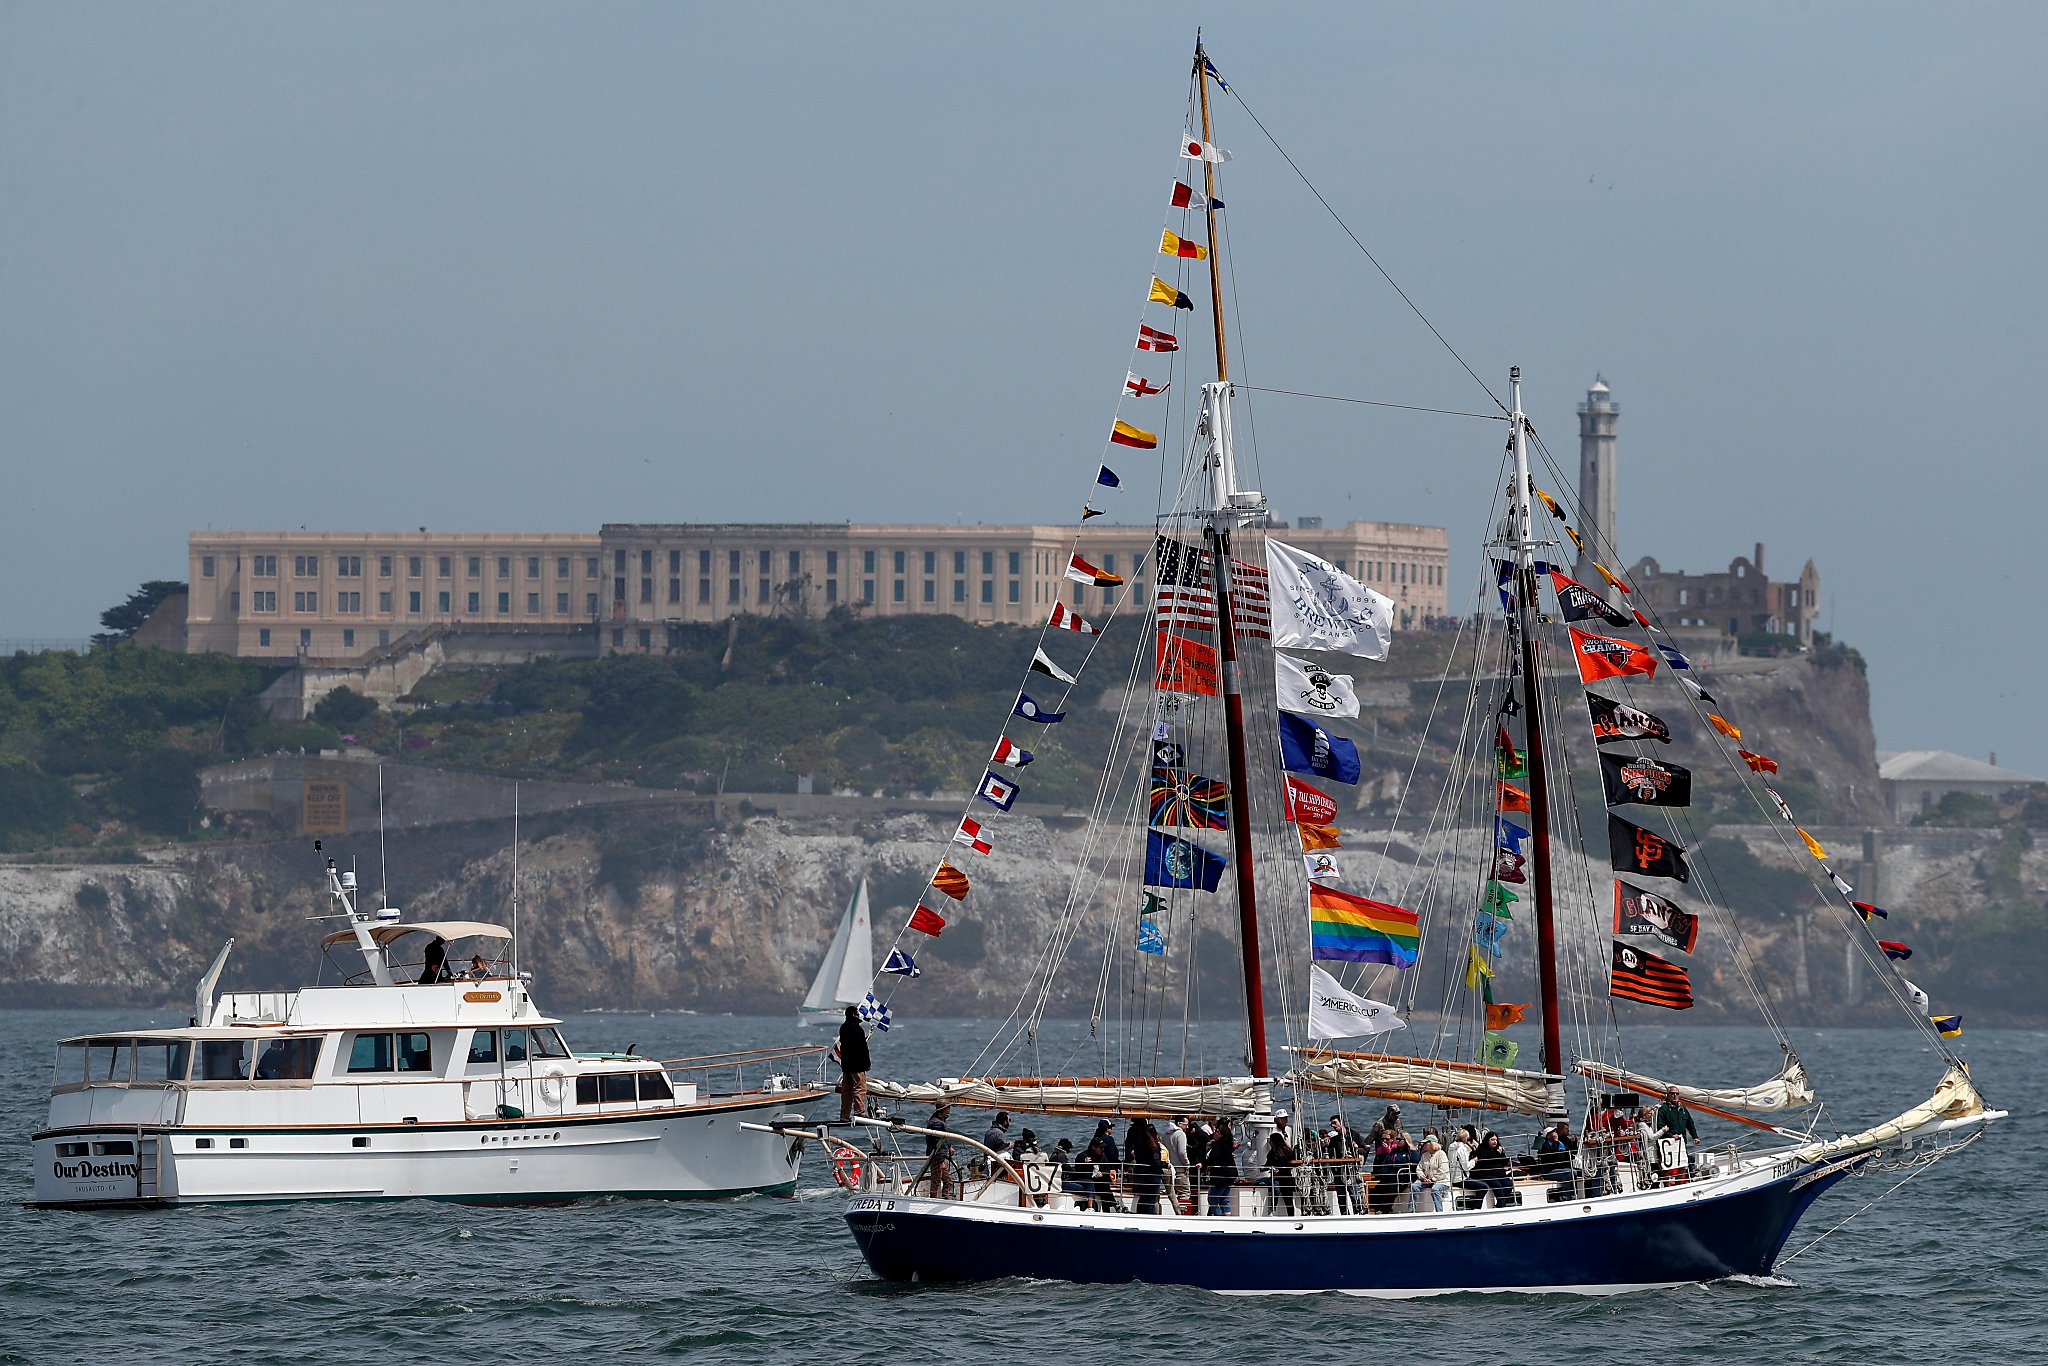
[(1202, 151)]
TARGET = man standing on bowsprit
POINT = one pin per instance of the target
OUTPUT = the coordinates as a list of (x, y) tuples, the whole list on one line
[(853, 1067)]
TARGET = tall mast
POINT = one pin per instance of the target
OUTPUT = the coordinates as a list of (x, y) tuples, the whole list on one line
[(1228, 506), (1522, 536)]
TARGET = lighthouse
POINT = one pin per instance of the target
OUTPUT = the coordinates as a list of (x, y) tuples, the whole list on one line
[(1597, 417)]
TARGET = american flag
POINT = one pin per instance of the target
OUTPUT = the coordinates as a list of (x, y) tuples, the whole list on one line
[(1180, 577)]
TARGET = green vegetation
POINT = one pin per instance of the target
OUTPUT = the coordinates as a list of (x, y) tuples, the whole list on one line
[(126, 619)]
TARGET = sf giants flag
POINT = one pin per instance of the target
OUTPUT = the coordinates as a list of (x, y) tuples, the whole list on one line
[(1579, 602), (1645, 781), (1632, 849), (1645, 977), (1639, 912), (1605, 657), (1614, 720)]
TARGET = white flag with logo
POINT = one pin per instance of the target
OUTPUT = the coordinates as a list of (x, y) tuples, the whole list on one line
[(1334, 1013), (1317, 606), (1307, 687)]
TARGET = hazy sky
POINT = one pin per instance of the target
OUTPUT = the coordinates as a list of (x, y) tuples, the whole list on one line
[(537, 267)]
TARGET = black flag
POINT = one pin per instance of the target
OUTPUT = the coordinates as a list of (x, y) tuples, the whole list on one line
[(1639, 912), (1644, 781), (1579, 602), (1632, 849), (1639, 976), (1618, 721)]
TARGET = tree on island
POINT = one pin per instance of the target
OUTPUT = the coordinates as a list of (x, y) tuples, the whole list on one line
[(126, 619)]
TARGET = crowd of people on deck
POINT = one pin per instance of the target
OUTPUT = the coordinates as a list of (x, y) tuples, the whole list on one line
[(1196, 1164)]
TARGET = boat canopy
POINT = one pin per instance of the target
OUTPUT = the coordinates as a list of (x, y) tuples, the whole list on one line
[(446, 929), (1423, 1081), (1789, 1090), (1132, 1096)]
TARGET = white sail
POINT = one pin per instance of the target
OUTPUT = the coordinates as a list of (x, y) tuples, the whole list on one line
[(1084, 1095), (1789, 1090), (849, 966)]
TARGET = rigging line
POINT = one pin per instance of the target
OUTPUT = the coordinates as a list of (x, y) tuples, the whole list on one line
[(1368, 253), (1374, 403), (1884, 1194)]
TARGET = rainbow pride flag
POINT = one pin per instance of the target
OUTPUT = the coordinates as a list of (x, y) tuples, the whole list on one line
[(1355, 929)]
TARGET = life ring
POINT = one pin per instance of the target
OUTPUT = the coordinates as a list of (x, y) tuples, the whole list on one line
[(551, 1089), (847, 1166)]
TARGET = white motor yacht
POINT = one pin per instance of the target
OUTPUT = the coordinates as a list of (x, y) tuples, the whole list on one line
[(405, 1080)]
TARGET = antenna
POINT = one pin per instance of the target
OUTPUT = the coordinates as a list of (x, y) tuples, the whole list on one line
[(383, 864), (515, 880)]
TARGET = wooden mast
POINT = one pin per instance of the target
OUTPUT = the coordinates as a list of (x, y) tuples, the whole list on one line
[(1218, 417), (1532, 706)]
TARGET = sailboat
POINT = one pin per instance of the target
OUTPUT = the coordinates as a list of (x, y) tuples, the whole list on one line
[(1243, 639), (849, 968)]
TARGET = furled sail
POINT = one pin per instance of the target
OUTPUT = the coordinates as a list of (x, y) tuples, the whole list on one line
[(1789, 1090), (1955, 1100), (1084, 1095), (1426, 1081)]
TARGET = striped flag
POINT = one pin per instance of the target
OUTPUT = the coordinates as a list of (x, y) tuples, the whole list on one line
[(1639, 976), (1064, 620), (1172, 243), (1184, 596), (951, 881), (1124, 434)]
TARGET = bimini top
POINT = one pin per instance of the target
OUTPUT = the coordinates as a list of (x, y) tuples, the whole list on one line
[(445, 929)]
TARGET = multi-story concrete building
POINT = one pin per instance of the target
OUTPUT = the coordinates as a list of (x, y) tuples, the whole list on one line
[(341, 596), (1743, 601)]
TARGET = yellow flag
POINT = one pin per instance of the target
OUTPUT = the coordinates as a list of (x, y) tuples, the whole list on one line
[(1124, 434), (1575, 540), (1551, 503), (1475, 967), (1612, 582), (1722, 724), (1812, 844), (1173, 244), (1317, 836), (1164, 293)]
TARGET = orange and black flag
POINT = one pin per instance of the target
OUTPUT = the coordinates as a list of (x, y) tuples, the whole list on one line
[(1501, 1016), (1639, 976)]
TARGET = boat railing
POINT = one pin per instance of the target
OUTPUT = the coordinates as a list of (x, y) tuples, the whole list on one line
[(790, 1066)]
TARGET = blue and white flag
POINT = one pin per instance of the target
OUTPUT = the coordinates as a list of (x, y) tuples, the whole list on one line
[(1031, 711), (902, 964), (1317, 606), (1306, 747), (1171, 861), (873, 1012), (1508, 835), (997, 790), (1151, 939), (1676, 660), (1488, 931)]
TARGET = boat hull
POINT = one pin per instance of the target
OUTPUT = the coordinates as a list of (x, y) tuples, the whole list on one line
[(1729, 1228), (691, 1152)]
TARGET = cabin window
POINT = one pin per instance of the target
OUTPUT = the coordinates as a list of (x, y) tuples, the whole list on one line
[(546, 1043), (616, 1088), (287, 1059), (586, 1090), (223, 1059), (370, 1053), (107, 1060), (202, 1143), (483, 1046), (70, 1065), (238, 1143), (515, 1045), (156, 1060), (118, 1148), (415, 1054), (654, 1086), (73, 1149)]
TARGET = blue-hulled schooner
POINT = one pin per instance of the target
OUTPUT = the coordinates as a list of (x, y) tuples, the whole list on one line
[(1240, 639)]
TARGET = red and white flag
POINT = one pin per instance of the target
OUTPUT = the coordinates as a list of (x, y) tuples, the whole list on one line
[(1064, 620), (1186, 196), (1140, 387), (1011, 753), (1202, 151), (969, 834), (1152, 339)]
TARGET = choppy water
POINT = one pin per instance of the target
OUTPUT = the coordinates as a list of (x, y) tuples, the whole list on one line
[(1952, 1267)]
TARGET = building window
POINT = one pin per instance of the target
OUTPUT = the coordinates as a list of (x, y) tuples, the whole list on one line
[(305, 638), (959, 590), (618, 637), (831, 562), (442, 600), (476, 566), (561, 566), (533, 566), (263, 637), (590, 604), (732, 590), (675, 590), (234, 602), (384, 601), (646, 638), (831, 590), (767, 562), (383, 638), (704, 562), (647, 590), (959, 562), (261, 601), (533, 604), (476, 602), (988, 590), (896, 592), (446, 568), (618, 590), (349, 566), (412, 567), (305, 602), (988, 561), (590, 566), (931, 561), (1013, 588), (263, 566), (305, 566), (1108, 564), (867, 561), (763, 594), (1016, 563), (206, 566), (348, 638), (412, 602), (618, 562), (867, 590), (647, 562), (561, 604), (383, 566), (732, 561), (703, 590), (796, 564), (931, 591)]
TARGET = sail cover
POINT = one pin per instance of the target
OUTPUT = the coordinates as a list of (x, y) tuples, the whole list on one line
[(1955, 1101), (1082, 1095), (1789, 1090), (1424, 1080)]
